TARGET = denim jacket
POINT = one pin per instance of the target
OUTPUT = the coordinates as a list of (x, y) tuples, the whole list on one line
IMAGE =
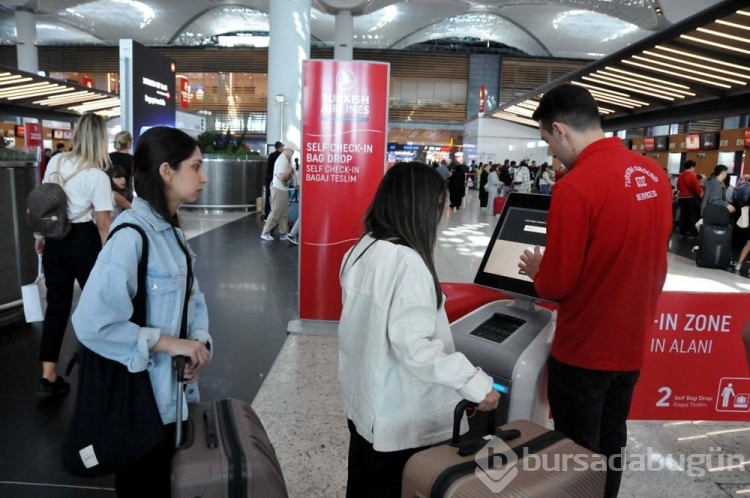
[(102, 318)]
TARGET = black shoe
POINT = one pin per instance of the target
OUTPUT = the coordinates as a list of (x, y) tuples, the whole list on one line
[(47, 388)]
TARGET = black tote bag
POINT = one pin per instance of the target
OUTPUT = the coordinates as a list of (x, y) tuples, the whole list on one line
[(116, 420)]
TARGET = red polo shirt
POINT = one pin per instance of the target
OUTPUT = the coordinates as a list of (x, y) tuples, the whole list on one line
[(606, 256)]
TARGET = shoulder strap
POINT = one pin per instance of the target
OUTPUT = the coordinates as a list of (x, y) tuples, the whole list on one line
[(189, 286), (139, 300)]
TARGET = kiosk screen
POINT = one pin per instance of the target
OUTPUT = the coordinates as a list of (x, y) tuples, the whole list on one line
[(498, 327), (522, 225)]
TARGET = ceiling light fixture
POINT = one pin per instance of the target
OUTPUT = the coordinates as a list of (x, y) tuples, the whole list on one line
[(723, 35), (714, 44), (673, 74), (700, 57), (693, 64), (620, 83), (641, 76), (732, 25), (686, 70), (637, 79)]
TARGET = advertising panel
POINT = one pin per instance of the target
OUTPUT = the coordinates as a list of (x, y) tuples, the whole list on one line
[(692, 141), (147, 88), (33, 135), (648, 143), (747, 137), (344, 133), (709, 141), (661, 143), (695, 366)]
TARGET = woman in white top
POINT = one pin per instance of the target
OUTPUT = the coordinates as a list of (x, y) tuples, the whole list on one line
[(493, 189), (399, 372), (72, 258)]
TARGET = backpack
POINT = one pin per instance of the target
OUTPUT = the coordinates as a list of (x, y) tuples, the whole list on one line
[(47, 206)]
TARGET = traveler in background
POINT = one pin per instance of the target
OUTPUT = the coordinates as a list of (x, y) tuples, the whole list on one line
[(60, 149), (484, 171), (597, 351), (279, 215), (442, 168), (118, 183), (278, 147), (546, 179), (506, 178), (689, 194), (71, 259), (742, 199), (400, 375), (46, 156), (123, 142), (713, 191), (493, 187), (168, 173), (456, 184), (522, 178)]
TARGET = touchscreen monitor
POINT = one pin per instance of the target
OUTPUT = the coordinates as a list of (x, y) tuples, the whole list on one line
[(522, 225)]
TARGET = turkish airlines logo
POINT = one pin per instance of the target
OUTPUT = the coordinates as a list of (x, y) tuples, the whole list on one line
[(345, 80)]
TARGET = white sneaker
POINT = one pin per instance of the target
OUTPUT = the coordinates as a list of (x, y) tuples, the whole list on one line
[(266, 236), (291, 238)]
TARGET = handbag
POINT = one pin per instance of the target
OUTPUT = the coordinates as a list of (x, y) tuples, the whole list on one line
[(744, 219), (32, 297), (116, 420)]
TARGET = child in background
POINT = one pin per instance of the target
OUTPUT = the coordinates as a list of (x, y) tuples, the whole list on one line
[(119, 185)]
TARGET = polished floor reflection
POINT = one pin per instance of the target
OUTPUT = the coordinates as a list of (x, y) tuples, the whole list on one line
[(251, 290)]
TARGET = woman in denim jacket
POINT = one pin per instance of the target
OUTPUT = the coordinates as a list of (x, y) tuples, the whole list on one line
[(168, 172)]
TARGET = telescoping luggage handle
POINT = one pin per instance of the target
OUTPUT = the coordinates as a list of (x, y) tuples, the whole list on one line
[(179, 363), (458, 414)]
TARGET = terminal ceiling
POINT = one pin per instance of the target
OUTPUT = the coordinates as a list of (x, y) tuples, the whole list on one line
[(585, 29)]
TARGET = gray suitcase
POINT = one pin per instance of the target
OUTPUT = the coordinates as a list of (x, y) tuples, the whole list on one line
[(226, 453), (714, 246)]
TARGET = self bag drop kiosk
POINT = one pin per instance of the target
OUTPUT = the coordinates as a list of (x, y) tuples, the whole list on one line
[(510, 339)]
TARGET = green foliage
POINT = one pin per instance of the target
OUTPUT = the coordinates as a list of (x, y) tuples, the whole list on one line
[(218, 145)]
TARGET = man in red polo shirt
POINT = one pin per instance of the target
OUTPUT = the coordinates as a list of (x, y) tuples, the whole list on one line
[(689, 193), (605, 263)]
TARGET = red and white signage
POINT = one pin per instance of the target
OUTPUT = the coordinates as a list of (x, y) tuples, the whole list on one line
[(482, 97), (343, 159), (695, 365), (33, 135), (747, 137), (183, 88)]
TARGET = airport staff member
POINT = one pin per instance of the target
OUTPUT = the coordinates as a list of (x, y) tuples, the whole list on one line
[(605, 263)]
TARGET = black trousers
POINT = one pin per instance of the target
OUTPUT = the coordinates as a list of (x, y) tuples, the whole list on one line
[(64, 262), (689, 214), (152, 474), (591, 407), (374, 474)]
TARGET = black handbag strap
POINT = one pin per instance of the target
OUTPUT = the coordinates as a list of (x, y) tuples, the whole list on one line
[(189, 287), (139, 300)]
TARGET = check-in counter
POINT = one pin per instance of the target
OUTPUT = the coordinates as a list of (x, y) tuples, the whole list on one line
[(232, 185), (18, 261)]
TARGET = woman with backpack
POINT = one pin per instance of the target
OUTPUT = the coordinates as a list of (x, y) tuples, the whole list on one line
[(65, 261)]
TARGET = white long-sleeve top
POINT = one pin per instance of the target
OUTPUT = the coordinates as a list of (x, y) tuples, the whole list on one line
[(399, 372)]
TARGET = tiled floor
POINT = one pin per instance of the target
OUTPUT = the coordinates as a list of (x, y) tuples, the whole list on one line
[(251, 292)]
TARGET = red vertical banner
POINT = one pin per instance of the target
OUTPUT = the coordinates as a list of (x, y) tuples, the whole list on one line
[(695, 366), (343, 156), (33, 135), (482, 97), (183, 88)]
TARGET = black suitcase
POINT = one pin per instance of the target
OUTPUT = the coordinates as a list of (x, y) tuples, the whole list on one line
[(714, 246)]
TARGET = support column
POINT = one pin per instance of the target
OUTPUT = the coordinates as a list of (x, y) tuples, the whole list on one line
[(28, 59), (289, 47), (343, 48)]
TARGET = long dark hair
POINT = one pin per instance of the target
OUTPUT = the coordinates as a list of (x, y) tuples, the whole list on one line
[(407, 207), (159, 145)]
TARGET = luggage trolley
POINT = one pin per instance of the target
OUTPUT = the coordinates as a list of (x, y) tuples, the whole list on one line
[(510, 339)]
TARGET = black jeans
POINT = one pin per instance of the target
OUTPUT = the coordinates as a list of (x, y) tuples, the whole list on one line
[(591, 407), (374, 474), (64, 262), (152, 474), (689, 214)]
